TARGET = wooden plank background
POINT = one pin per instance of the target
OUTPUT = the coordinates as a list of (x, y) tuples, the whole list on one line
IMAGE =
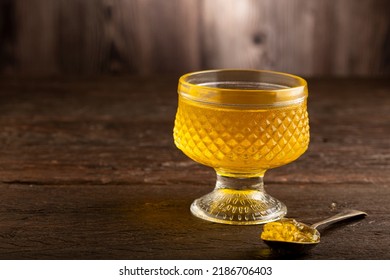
[(312, 38)]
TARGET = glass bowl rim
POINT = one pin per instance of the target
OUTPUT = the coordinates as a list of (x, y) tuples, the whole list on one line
[(244, 97)]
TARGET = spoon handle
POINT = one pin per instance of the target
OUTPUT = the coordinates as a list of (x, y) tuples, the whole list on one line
[(346, 214)]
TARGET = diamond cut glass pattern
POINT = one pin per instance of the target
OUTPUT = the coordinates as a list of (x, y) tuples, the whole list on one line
[(236, 141)]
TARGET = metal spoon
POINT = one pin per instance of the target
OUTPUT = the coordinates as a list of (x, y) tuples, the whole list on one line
[(301, 247)]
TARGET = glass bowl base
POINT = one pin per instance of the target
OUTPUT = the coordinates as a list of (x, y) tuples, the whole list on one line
[(238, 207)]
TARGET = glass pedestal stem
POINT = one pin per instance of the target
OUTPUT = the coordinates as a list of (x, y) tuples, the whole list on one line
[(238, 201)]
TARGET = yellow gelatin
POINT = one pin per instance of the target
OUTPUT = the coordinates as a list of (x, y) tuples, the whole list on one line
[(289, 230), (241, 142)]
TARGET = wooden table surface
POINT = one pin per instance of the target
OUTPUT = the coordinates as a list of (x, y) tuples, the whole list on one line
[(88, 170)]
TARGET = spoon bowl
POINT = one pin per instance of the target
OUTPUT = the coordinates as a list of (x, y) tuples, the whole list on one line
[(291, 247), (286, 235)]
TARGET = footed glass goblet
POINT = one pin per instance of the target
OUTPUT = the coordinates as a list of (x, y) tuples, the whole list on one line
[(241, 123)]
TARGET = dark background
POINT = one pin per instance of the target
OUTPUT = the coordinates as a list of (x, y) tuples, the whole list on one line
[(93, 37)]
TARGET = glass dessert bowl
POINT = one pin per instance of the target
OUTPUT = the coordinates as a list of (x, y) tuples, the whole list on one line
[(241, 123)]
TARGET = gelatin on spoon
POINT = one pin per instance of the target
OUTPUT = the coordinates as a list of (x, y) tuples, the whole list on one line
[(289, 230)]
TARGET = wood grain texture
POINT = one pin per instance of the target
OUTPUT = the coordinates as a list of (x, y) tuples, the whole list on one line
[(312, 38), (300, 36), (89, 170), (36, 43)]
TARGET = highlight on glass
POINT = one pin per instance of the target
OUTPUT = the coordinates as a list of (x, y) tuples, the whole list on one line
[(241, 123)]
